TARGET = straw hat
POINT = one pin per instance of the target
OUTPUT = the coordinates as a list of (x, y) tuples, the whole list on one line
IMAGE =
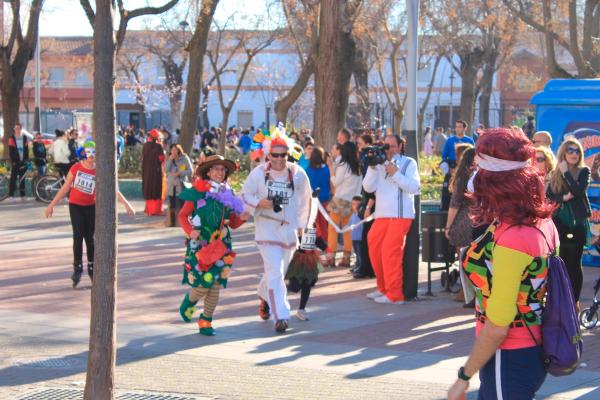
[(211, 161)]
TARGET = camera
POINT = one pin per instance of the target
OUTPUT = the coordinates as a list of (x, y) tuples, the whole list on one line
[(376, 154), (277, 202)]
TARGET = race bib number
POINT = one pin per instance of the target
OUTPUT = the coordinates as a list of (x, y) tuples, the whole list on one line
[(309, 239), (281, 189), (85, 183)]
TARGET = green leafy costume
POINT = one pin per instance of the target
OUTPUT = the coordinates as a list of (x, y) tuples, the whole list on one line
[(207, 218)]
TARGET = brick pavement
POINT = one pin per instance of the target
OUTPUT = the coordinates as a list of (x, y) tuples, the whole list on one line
[(351, 348)]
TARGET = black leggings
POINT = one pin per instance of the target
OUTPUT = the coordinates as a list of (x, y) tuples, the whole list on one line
[(82, 220), (572, 241), (304, 286), (365, 261)]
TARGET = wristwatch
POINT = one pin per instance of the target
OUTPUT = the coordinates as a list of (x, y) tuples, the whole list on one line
[(462, 375)]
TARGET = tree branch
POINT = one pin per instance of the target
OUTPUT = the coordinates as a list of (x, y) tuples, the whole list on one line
[(89, 11), (126, 16)]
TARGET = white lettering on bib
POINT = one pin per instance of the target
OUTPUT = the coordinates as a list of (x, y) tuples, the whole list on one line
[(281, 189), (85, 183)]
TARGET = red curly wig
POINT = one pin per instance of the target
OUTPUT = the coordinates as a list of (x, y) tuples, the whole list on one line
[(516, 196)]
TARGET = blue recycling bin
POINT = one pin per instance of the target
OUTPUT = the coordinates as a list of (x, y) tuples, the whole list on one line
[(571, 107)]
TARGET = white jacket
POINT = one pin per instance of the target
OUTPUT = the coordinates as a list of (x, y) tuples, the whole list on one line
[(346, 184), (60, 151), (394, 194), (278, 229)]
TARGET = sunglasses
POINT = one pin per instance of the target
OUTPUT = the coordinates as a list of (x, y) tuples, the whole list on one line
[(573, 150), (540, 159), (278, 155)]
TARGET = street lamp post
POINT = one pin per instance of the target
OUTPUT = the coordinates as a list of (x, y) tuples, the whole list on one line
[(451, 121), (413, 238), (268, 116), (36, 116)]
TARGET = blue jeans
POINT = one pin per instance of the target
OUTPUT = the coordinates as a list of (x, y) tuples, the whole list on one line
[(512, 375), (356, 245)]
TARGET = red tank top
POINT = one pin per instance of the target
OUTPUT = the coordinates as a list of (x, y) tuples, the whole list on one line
[(83, 189)]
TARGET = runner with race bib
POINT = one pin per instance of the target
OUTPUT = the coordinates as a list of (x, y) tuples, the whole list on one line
[(81, 181)]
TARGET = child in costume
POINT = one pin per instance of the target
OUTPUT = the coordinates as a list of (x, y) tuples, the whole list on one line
[(305, 265), (210, 209)]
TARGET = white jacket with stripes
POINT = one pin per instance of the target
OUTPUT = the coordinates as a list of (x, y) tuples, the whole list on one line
[(394, 194)]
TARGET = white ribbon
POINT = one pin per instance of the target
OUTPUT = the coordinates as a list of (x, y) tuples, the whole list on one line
[(347, 227), (493, 164)]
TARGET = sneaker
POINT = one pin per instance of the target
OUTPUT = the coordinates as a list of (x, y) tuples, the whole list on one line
[(302, 315), (384, 300), (375, 294)]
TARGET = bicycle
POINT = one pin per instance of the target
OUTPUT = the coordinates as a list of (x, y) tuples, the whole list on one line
[(5, 181), (47, 186)]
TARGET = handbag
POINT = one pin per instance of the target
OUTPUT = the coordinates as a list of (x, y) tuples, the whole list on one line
[(566, 216), (212, 252)]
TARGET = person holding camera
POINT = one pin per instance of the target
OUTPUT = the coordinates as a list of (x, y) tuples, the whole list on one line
[(395, 182), (278, 194)]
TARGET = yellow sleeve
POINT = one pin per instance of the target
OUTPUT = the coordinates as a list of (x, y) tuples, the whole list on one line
[(509, 265)]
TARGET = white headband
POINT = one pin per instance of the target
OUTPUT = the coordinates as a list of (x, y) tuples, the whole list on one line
[(493, 164)]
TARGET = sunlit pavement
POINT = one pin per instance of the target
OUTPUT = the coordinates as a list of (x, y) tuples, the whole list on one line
[(351, 348)]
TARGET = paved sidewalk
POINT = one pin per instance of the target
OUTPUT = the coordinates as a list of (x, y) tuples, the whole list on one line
[(351, 348)]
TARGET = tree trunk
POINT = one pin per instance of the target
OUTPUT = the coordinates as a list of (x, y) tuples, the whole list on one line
[(361, 83), (223, 137), (336, 50), (204, 106), (197, 48), (102, 353), (10, 115), (421, 115), (398, 117), (487, 85), (283, 105), (470, 64)]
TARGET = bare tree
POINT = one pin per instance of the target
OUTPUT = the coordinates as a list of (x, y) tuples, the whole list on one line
[(568, 24), (14, 58), (302, 18), (248, 43), (129, 62), (197, 50), (336, 46), (102, 353)]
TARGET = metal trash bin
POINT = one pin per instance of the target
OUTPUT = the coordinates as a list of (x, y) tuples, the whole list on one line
[(436, 248)]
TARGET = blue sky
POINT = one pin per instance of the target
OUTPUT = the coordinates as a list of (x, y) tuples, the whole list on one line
[(66, 17)]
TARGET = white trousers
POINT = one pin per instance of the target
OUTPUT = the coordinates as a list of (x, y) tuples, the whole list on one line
[(272, 285)]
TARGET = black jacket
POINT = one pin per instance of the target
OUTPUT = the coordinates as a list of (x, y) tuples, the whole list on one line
[(39, 152), (580, 204), (14, 151)]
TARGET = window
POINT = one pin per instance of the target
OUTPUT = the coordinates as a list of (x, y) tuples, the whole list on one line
[(82, 78), (56, 76)]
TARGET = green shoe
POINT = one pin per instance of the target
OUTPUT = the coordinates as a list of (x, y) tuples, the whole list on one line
[(187, 309), (205, 325)]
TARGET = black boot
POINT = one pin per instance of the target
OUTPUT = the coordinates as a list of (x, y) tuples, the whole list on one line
[(91, 270), (77, 271)]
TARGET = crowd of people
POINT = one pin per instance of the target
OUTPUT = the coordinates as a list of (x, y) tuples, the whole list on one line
[(511, 204)]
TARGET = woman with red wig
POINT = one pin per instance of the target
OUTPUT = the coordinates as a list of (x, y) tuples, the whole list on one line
[(507, 265)]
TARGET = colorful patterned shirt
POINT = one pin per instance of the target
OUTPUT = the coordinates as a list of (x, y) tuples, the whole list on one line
[(508, 266)]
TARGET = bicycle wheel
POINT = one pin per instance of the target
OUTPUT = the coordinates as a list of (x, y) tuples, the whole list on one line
[(3, 187), (587, 319), (46, 188)]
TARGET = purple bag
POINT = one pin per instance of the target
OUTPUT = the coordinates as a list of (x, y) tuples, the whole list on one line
[(560, 327)]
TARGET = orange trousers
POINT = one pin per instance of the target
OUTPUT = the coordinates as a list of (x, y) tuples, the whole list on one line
[(332, 235), (386, 240)]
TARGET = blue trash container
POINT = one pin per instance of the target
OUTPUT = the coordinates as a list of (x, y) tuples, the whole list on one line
[(571, 107)]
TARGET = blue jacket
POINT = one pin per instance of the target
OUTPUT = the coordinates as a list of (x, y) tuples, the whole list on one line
[(319, 178), (449, 153)]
